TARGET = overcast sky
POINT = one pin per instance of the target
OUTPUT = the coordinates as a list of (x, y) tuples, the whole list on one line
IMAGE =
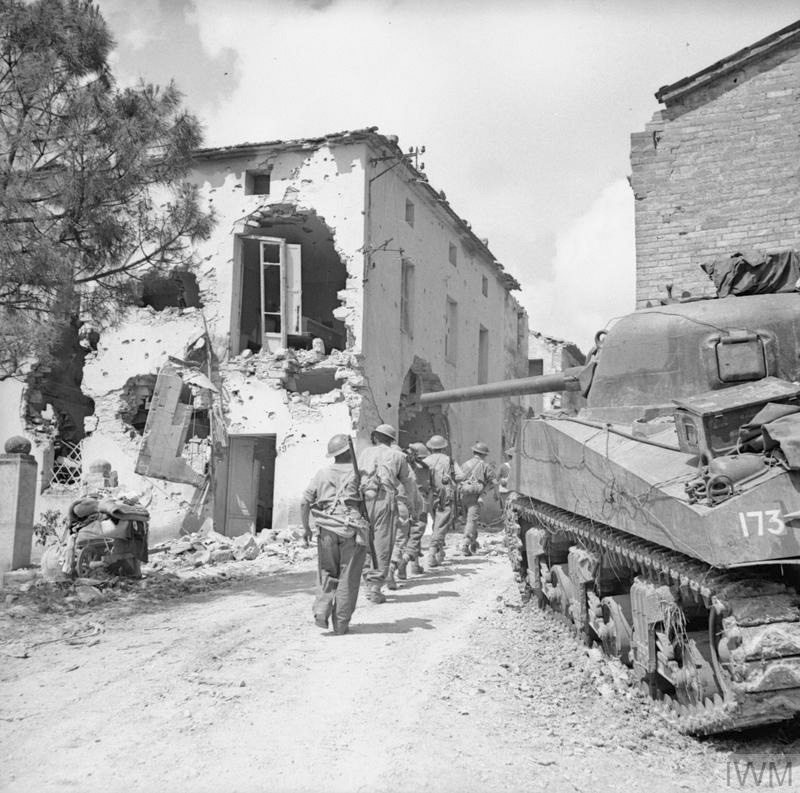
[(526, 108)]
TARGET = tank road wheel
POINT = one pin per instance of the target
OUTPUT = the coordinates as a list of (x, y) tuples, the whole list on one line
[(88, 554), (616, 631), (583, 566)]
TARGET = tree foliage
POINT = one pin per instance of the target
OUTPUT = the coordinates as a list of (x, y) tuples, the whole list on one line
[(91, 176)]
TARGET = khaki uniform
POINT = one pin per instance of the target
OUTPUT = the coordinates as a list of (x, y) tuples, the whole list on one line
[(478, 470), (442, 501), (383, 469), (332, 495), (412, 515)]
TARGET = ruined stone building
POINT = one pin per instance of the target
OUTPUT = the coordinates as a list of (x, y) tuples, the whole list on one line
[(548, 355), (337, 285), (717, 171)]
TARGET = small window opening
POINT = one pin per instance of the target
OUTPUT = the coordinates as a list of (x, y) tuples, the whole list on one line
[(406, 296), (410, 213), (257, 183), (522, 329), (452, 254), (483, 355), (451, 331), (484, 286), (535, 367)]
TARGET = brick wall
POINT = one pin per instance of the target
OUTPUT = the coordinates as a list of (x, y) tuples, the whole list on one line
[(715, 172)]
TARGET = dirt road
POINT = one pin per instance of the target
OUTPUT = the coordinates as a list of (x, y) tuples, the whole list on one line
[(451, 685)]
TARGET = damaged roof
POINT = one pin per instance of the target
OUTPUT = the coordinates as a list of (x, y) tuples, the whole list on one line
[(569, 346), (744, 57), (371, 136)]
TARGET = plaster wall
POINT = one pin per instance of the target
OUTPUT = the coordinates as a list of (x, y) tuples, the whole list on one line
[(389, 351), (302, 425), (328, 180), (140, 344), (716, 172)]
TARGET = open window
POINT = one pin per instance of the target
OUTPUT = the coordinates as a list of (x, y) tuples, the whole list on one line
[(287, 276)]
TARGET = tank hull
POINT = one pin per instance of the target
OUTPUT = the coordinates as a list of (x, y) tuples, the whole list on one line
[(640, 489)]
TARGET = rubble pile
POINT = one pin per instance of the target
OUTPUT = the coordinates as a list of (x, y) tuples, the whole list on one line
[(192, 564), (212, 548)]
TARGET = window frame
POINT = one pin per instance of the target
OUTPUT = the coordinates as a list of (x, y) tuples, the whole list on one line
[(407, 297), (483, 355), (410, 212), (452, 254), (451, 331)]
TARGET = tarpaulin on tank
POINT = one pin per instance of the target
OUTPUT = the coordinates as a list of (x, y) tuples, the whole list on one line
[(755, 273), (785, 432), (750, 434)]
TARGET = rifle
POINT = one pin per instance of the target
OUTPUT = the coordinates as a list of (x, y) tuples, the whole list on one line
[(362, 507)]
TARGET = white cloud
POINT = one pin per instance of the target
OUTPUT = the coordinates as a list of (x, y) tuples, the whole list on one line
[(593, 271)]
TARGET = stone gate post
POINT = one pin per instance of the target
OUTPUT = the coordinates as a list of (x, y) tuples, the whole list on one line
[(18, 470)]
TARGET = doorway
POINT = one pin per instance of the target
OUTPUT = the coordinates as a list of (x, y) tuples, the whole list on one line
[(245, 485)]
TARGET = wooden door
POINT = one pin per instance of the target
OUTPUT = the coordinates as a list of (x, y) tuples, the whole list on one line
[(242, 491)]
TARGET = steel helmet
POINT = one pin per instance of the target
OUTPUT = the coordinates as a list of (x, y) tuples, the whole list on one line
[(437, 442), (386, 429), (480, 448), (338, 444), (420, 449)]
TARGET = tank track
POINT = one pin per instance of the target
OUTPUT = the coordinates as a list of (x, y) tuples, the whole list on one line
[(757, 619)]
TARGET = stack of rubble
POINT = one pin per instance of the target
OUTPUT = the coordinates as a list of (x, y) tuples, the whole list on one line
[(211, 547)]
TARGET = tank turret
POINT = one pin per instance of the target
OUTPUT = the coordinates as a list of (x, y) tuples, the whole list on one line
[(663, 520)]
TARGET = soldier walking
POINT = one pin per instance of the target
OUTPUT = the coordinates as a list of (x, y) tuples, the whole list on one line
[(445, 474), (383, 470), (332, 499), (477, 477), (412, 515)]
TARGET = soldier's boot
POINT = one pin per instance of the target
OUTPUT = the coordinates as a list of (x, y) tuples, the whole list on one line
[(474, 545), (402, 569), (374, 594), (432, 559), (415, 567), (440, 555), (391, 582), (465, 548)]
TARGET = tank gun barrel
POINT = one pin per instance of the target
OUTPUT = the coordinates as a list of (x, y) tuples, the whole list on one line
[(540, 384)]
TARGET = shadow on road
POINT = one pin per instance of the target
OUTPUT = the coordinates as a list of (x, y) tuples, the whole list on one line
[(420, 598), (405, 625)]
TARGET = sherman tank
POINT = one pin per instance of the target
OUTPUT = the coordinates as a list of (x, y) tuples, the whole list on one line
[(663, 520)]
